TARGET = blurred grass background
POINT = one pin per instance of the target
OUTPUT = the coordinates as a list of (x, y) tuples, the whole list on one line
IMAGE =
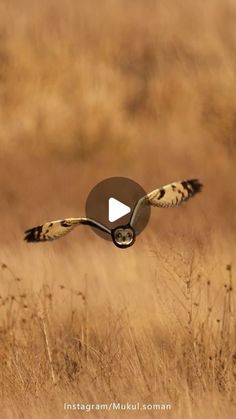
[(88, 90), (81, 78), (144, 89)]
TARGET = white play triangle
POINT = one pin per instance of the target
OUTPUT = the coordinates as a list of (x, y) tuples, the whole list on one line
[(117, 209)]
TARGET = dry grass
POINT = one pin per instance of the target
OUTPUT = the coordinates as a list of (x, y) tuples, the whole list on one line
[(154, 329), (95, 89)]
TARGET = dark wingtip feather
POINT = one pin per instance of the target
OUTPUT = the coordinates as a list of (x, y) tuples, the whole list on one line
[(196, 185), (31, 235)]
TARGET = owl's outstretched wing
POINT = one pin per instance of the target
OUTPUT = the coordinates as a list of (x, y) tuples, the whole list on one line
[(170, 195), (56, 229)]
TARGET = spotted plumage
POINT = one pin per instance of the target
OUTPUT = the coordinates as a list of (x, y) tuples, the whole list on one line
[(174, 194), (59, 228), (171, 195)]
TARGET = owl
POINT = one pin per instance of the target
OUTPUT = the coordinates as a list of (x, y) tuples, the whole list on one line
[(123, 236)]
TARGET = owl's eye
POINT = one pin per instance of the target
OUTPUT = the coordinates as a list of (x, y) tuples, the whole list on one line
[(119, 236)]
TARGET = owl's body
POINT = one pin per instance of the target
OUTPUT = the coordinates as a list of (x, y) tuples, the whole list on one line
[(171, 195)]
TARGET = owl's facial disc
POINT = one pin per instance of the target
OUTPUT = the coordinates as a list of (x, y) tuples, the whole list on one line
[(123, 236)]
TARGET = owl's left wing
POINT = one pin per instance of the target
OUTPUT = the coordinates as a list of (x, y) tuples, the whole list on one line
[(55, 229), (170, 195)]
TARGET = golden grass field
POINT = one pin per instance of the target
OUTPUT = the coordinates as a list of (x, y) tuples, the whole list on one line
[(144, 89)]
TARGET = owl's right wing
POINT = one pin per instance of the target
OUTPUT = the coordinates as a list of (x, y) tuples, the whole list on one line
[(171, 195), (55, 229)]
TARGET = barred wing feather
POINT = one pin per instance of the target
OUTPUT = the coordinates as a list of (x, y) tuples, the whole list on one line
[(174, 194), (51, 230), (170, 195)]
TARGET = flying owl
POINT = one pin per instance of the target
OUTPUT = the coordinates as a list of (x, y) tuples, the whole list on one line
[(123, 236)]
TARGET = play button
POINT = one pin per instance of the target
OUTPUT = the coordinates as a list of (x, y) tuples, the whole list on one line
[(117, 209), (111, 203)]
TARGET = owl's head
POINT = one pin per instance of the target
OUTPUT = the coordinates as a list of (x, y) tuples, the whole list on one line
[(123, 236)]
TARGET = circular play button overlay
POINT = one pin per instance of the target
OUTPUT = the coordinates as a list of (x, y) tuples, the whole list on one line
[(111, 203)]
